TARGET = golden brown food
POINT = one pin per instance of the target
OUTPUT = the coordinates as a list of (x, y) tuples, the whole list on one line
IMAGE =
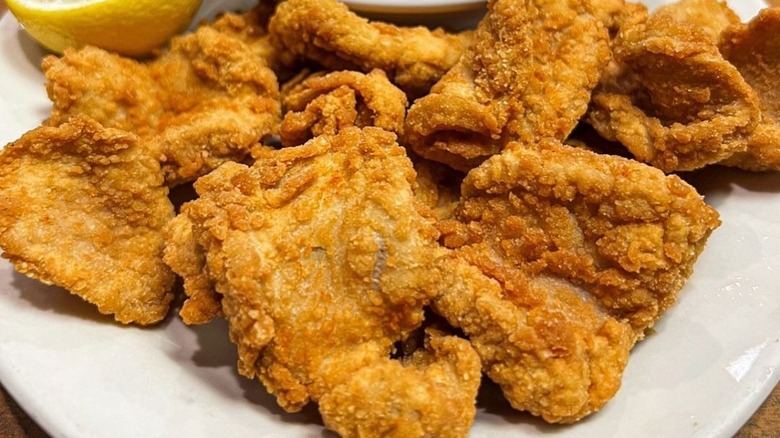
[(251, 27), (710, 17), (438, 186), (207, 100), (430, 394), (326, 102), (327, 32), (315, 250), (549, 347), (580, 254), (670, 97), (82, 207), (528, 75), (623, 231), (187, 258), (755, 50)]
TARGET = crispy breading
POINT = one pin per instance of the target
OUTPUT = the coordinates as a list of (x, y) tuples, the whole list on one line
[(327, 32), (315, 249), (528, 75), (581, 253), (622, 230), (187, 258), (438, 186), (755, 50), (669, 96), (251, 27), (545, 343), (206, 100), (82, 207), (325, 102), (710, 17), (430, 394)]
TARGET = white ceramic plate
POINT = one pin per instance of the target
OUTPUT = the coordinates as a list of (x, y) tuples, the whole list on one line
[(712, 361)]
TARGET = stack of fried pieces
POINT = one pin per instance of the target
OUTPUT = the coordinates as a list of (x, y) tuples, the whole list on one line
[(386, 214)]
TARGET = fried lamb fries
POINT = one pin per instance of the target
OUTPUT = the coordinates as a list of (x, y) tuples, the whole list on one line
[(326, 102), (318, 252), (327, 32), (669, 96), (528, 75), (251, 27), (755, 50), (563, 258), (207, 100), (83, 207), (429, 394)]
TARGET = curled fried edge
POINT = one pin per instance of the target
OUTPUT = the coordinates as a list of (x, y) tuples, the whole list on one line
[(754, 49), (327, 32), (527, 75), (669, 96), (325, 102), (206, 100)]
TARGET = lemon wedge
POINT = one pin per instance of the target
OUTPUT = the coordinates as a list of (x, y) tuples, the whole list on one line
[(128, 27)]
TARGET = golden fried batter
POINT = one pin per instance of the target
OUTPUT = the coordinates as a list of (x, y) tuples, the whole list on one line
[(544, 342), (581, 253), (187, 258), (324, 103), (528, 75), (82, 207), (315, 250), (431, 394), (755, 50), (670, 97), (208, 99), (251, 27), (327, 32)]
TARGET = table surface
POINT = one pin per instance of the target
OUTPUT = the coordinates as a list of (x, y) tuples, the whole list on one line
[(14, 423)]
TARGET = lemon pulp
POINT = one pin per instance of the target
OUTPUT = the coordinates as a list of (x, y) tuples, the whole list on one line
[(132, 28)]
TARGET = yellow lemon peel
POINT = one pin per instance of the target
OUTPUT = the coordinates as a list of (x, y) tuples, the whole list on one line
[(131, 28)]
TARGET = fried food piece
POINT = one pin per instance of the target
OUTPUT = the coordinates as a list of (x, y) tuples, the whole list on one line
[(549, 347), (563, 258), (251, 27), (208, 99), (326, 102), (315, 251), (670, 97), (82, 207), (430, 394), (115, 91), (755, 51), (581, 253), (708, 16), (438, 186), (187, 258), (621, 230), (528, 75), (327, 32)]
